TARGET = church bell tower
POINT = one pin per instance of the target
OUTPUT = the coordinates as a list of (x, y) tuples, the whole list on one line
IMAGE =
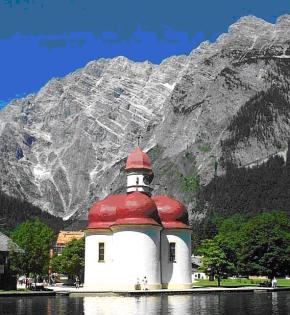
[(139, 172)]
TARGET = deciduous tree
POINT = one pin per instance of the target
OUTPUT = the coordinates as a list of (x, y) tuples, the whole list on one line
[(72, 259), (34, 238)]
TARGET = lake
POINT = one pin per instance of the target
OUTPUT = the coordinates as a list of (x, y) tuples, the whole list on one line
[(213, 304)]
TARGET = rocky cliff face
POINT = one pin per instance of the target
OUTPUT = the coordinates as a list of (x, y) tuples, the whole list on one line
[(226, 104)]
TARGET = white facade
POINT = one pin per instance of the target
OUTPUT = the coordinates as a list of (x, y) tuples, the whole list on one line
[(98, 274), (133, 252), (136, 255), (176, 274), (199, 276)]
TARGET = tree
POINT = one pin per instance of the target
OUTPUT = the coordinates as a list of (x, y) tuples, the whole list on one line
[(34, 238), (253, 246), (214, 259), (229, 236), (72, 259), (265, 245)]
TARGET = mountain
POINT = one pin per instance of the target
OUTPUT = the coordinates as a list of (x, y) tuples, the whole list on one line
[(14, 211), (222, 108)]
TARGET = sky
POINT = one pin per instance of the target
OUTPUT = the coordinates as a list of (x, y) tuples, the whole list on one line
[(42, 39)]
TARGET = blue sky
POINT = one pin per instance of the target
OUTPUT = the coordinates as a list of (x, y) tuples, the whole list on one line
[(41, 39)]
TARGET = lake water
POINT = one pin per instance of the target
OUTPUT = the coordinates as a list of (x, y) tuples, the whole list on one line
[(213, 304)]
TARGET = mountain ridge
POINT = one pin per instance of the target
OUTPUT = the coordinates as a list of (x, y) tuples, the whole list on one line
[(65, 146)]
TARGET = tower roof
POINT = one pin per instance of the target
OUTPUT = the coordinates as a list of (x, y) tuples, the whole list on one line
[(138, 160)]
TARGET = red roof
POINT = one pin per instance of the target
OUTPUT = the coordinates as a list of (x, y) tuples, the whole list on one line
[(172, 213), (138, 160), (103, 213), (138, 208), (132, 209)]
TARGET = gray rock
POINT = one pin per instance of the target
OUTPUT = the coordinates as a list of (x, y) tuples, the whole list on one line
[(66, 146)]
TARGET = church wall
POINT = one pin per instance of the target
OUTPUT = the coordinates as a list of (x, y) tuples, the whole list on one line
[(136, 255), (177, 274), (98, 275)]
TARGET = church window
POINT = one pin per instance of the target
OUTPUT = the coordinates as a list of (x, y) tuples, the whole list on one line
[(101, 252), (172, 252)]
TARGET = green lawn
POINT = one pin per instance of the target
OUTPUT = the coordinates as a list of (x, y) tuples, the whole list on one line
[(238, 282)]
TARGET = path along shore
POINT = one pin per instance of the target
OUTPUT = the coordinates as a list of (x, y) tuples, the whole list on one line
[(72, 291)]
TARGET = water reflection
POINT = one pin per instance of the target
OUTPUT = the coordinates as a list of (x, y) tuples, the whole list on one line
[(203, 304), (126, 305), (275, 309)]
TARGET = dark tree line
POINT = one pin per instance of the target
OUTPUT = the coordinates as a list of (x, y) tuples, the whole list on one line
[(256, 118), (245, 191), (14, 211)]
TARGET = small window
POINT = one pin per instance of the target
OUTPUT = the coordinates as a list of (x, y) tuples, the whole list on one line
[(101, 252), (172, 252)]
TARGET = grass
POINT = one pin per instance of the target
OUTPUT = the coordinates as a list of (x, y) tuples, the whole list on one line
[(204, 148), (238, 282)]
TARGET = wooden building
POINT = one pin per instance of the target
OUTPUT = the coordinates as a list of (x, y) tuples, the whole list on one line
[(8, 279)]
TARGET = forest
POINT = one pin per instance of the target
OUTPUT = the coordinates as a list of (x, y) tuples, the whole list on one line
[(14, 211)]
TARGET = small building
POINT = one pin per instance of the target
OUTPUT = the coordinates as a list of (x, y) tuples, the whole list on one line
[(137, 240), (8, 279), (196, 262), (63, 238)]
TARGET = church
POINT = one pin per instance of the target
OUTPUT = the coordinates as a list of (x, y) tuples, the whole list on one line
[(137, 238)]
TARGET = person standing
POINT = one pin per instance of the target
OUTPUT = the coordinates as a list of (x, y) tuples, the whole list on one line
[(77, 282), (274, 283), (145, 281)]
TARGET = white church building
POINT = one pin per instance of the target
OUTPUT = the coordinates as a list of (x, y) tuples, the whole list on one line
[(135, 238)]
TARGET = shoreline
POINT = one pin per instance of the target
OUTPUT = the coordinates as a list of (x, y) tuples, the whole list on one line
[(73, 292)]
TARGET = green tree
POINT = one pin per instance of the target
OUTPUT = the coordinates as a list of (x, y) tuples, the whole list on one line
[(229, 236), (214, 259), (253, 246), (34, 238), (265, 245), (72, 259)]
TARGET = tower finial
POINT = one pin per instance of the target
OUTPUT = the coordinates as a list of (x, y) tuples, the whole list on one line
[(138, 140)]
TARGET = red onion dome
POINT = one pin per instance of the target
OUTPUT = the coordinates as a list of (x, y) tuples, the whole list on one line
[(172, 213), (138, 160), (137, 208), (103, 213)]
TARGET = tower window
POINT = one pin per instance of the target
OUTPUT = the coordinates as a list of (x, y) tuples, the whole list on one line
[(101, 252), (172, 252)]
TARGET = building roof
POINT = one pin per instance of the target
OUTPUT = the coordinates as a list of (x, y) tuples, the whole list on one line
[(196, 260), (134, 208), (103, 213), (138, 208), (7, 245), (138, 160), (64, 237), (172, 213)]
